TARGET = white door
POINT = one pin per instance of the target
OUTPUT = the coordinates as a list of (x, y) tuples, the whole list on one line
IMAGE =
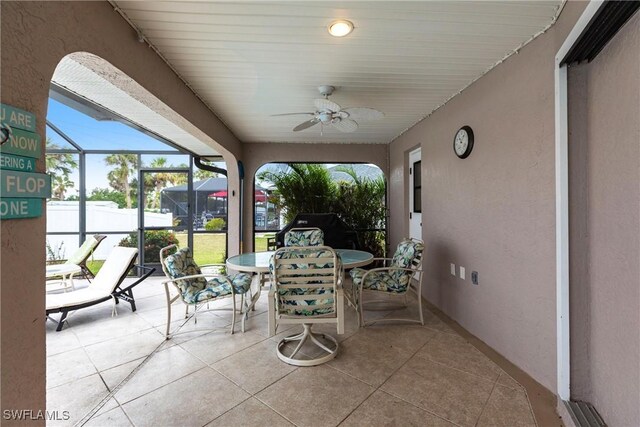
[(415, 196)]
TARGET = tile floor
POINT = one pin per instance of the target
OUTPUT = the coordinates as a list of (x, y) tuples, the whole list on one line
[(386, 375)]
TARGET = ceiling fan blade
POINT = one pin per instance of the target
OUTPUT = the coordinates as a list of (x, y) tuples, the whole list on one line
[(324, 104), (345, 125), (362, 114), (305, 125), (292, 114)]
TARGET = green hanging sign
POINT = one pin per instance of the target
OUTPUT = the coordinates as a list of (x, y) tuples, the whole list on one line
[(24, 184), (17, 118), (17, 163), (20, 208), (23, 143)]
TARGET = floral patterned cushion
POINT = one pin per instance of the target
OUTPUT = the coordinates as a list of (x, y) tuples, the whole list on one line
[(313, 237), (395, 281), (198, 289), (407, 251), (303, 307), (377, 281)]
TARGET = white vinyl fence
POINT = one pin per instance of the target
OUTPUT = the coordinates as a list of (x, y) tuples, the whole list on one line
[(64, 216)]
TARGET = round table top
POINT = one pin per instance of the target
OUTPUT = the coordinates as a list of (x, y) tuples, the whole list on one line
[(62, 269), (258, 262)]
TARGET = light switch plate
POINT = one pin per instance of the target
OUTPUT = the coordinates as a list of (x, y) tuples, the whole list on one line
[(462, 273), (453, 269)]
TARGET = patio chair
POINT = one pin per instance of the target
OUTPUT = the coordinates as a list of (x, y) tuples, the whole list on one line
[(106, 286), (392, 281), (306, 289), (311, 236), (81, 256), (197, 289)]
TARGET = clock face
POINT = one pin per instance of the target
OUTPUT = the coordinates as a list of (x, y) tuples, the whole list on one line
[(463, 142)]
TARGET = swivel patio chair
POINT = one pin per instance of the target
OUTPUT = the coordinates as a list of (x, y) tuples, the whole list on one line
[(311, 236), (306, 289), (403, 273), (197, 289), (107, 286)]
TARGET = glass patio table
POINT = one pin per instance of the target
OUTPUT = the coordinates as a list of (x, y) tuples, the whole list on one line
[(258, 262)]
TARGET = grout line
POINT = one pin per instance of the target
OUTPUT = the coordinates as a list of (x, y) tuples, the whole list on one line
[(487, 402)]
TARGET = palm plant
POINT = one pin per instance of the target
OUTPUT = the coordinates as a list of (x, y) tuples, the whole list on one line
[(119, 178), (303, 188), (60, 166), (361, 204)]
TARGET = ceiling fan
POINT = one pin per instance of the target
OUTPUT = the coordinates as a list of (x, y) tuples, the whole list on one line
[(329, 113)]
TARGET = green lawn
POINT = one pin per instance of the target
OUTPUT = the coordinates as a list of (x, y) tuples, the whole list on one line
[(260, 243), (207, 248)]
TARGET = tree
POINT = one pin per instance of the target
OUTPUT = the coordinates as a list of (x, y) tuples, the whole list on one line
[(361, 204), (303, 188), (119, 178), (201, 174), (59, 186), (105, 194), (155, 182), (60, 166)]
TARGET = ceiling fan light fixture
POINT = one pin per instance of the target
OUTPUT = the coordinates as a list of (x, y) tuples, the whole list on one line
[(340, 28)]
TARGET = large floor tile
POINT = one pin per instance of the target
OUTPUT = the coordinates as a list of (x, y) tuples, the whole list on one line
[(454, 351), (250, 413), (507, 408), (382, 409), (193, 400), (69, 366), (317, 396), (60, 342), (430, 320), (405, 336), (260, 324), (78, 397), (215, 346), (254, 368), (164, 367), (113, 418), (449, 393), (109, 328), (507, 381), (124, 349), (368, 359)]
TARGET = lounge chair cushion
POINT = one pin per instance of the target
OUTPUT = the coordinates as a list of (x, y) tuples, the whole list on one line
[(304, 307), (199, 289), (84, 251), (313, 237), (105, 283)]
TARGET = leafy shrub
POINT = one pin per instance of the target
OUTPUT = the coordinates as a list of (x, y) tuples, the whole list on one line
[(215, 224), (154, 240)]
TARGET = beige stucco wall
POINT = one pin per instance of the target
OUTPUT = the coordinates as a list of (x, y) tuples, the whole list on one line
[(604, 118), (257, 155), (494, 212), (35, 36)]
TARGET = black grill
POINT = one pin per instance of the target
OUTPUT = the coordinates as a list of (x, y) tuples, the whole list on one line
[(337, 234)]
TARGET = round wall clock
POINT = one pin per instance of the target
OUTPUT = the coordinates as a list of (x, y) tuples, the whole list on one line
[(463, 142)]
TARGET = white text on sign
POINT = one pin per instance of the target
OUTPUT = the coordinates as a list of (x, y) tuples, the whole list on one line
[(24, 184)]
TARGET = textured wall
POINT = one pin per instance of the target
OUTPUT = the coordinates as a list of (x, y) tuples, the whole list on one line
[(494, 212), (35, 36), (256, 155), (604, 118)]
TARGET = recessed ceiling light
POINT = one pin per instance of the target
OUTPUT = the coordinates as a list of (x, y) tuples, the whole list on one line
[(340, 28)]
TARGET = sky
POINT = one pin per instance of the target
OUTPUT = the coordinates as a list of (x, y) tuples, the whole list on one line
[(92, 134)]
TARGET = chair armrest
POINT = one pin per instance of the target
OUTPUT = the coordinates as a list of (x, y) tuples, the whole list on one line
[(196, 276)]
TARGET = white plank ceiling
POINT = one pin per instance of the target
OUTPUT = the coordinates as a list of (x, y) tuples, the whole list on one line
[(249, 61)]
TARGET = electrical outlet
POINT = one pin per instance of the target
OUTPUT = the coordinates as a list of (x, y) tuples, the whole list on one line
[(462, 273), (474, 277), (453, 269)]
